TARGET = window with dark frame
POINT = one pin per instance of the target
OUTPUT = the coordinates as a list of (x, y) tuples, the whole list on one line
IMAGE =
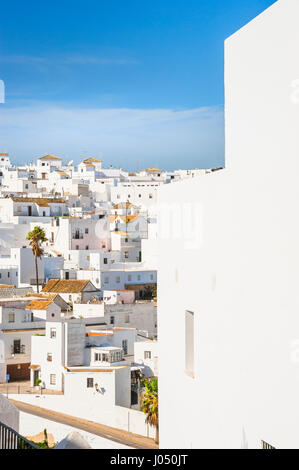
[(89, 383)]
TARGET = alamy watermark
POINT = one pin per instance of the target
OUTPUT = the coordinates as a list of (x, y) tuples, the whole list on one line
[(2, 92)]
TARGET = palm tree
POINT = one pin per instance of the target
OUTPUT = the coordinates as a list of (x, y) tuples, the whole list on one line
[(149, 403), (37, 237)]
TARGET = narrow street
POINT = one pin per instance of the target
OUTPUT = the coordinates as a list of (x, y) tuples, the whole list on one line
[(133, 440)]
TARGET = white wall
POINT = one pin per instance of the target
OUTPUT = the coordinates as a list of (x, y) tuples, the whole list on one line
[(241, 280)]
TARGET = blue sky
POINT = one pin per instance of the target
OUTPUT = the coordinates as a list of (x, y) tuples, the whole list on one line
[(138, 82)]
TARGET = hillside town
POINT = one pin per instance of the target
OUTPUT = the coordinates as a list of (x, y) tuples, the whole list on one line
[(78, 284), (159, 309)]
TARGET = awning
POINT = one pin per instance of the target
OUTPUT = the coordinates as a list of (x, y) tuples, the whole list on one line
[(34, 366)]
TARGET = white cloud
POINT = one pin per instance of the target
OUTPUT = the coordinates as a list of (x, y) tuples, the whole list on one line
[(161, 137), (66, 60)]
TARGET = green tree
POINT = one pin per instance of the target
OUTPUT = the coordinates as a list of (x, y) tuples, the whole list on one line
[(37, 237), (149, 403)]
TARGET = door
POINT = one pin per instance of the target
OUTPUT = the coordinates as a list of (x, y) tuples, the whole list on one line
[(35, 376), (29, 211), (19, 371)]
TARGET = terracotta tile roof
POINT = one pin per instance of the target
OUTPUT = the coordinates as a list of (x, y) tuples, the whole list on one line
[(40, 201), (89, 160), (62, 173), (119, 232), (123, 205), (69, 286), (4, 154), (87, 164), (41, 295), (49, 157), (153, 170), (6, 286), (99, 333), (112, 218), (39, 304), (121, 329), (129, 218), (69, 369)]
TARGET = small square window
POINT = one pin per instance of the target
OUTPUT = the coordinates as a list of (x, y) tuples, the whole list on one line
[(11, 318), (49, 357), (53, 332), (147, 355), (89, 383), (53, 379)]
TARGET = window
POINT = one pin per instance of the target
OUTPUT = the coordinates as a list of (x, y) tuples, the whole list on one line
[(105, 261), (106, 280), (49, 357), (112, 319), (87, 247), (152, 277), (189, 343), (129, 277), (89, 383), (53, 333), (147, 355), (125, 346), (8, 274), (118, 279), (138, 277), (77, 247), (127, 319), (126, 254), (86, 230), (53, 379), (17, 348), (11, 318)]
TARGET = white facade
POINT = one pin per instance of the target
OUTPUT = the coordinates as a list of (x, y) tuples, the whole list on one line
[(235, 316)]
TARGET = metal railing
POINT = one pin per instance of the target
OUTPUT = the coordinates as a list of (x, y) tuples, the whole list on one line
[(10, 439), (18, 349), (24, 389)]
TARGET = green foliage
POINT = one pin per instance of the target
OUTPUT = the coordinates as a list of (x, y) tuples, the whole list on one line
[(149, 402), (37, 236)]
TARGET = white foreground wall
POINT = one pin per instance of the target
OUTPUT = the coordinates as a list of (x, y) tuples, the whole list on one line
[(238, 272)]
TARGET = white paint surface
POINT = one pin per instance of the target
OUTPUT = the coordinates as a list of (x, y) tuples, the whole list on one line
[(31, 425)]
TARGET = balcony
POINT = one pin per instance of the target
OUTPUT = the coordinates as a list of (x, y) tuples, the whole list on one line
[(77, 236), (40, 282), (18, 349)]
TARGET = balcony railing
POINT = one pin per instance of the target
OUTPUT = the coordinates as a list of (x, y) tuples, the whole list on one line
[(10, 439), (18, 349), (40, 282)]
